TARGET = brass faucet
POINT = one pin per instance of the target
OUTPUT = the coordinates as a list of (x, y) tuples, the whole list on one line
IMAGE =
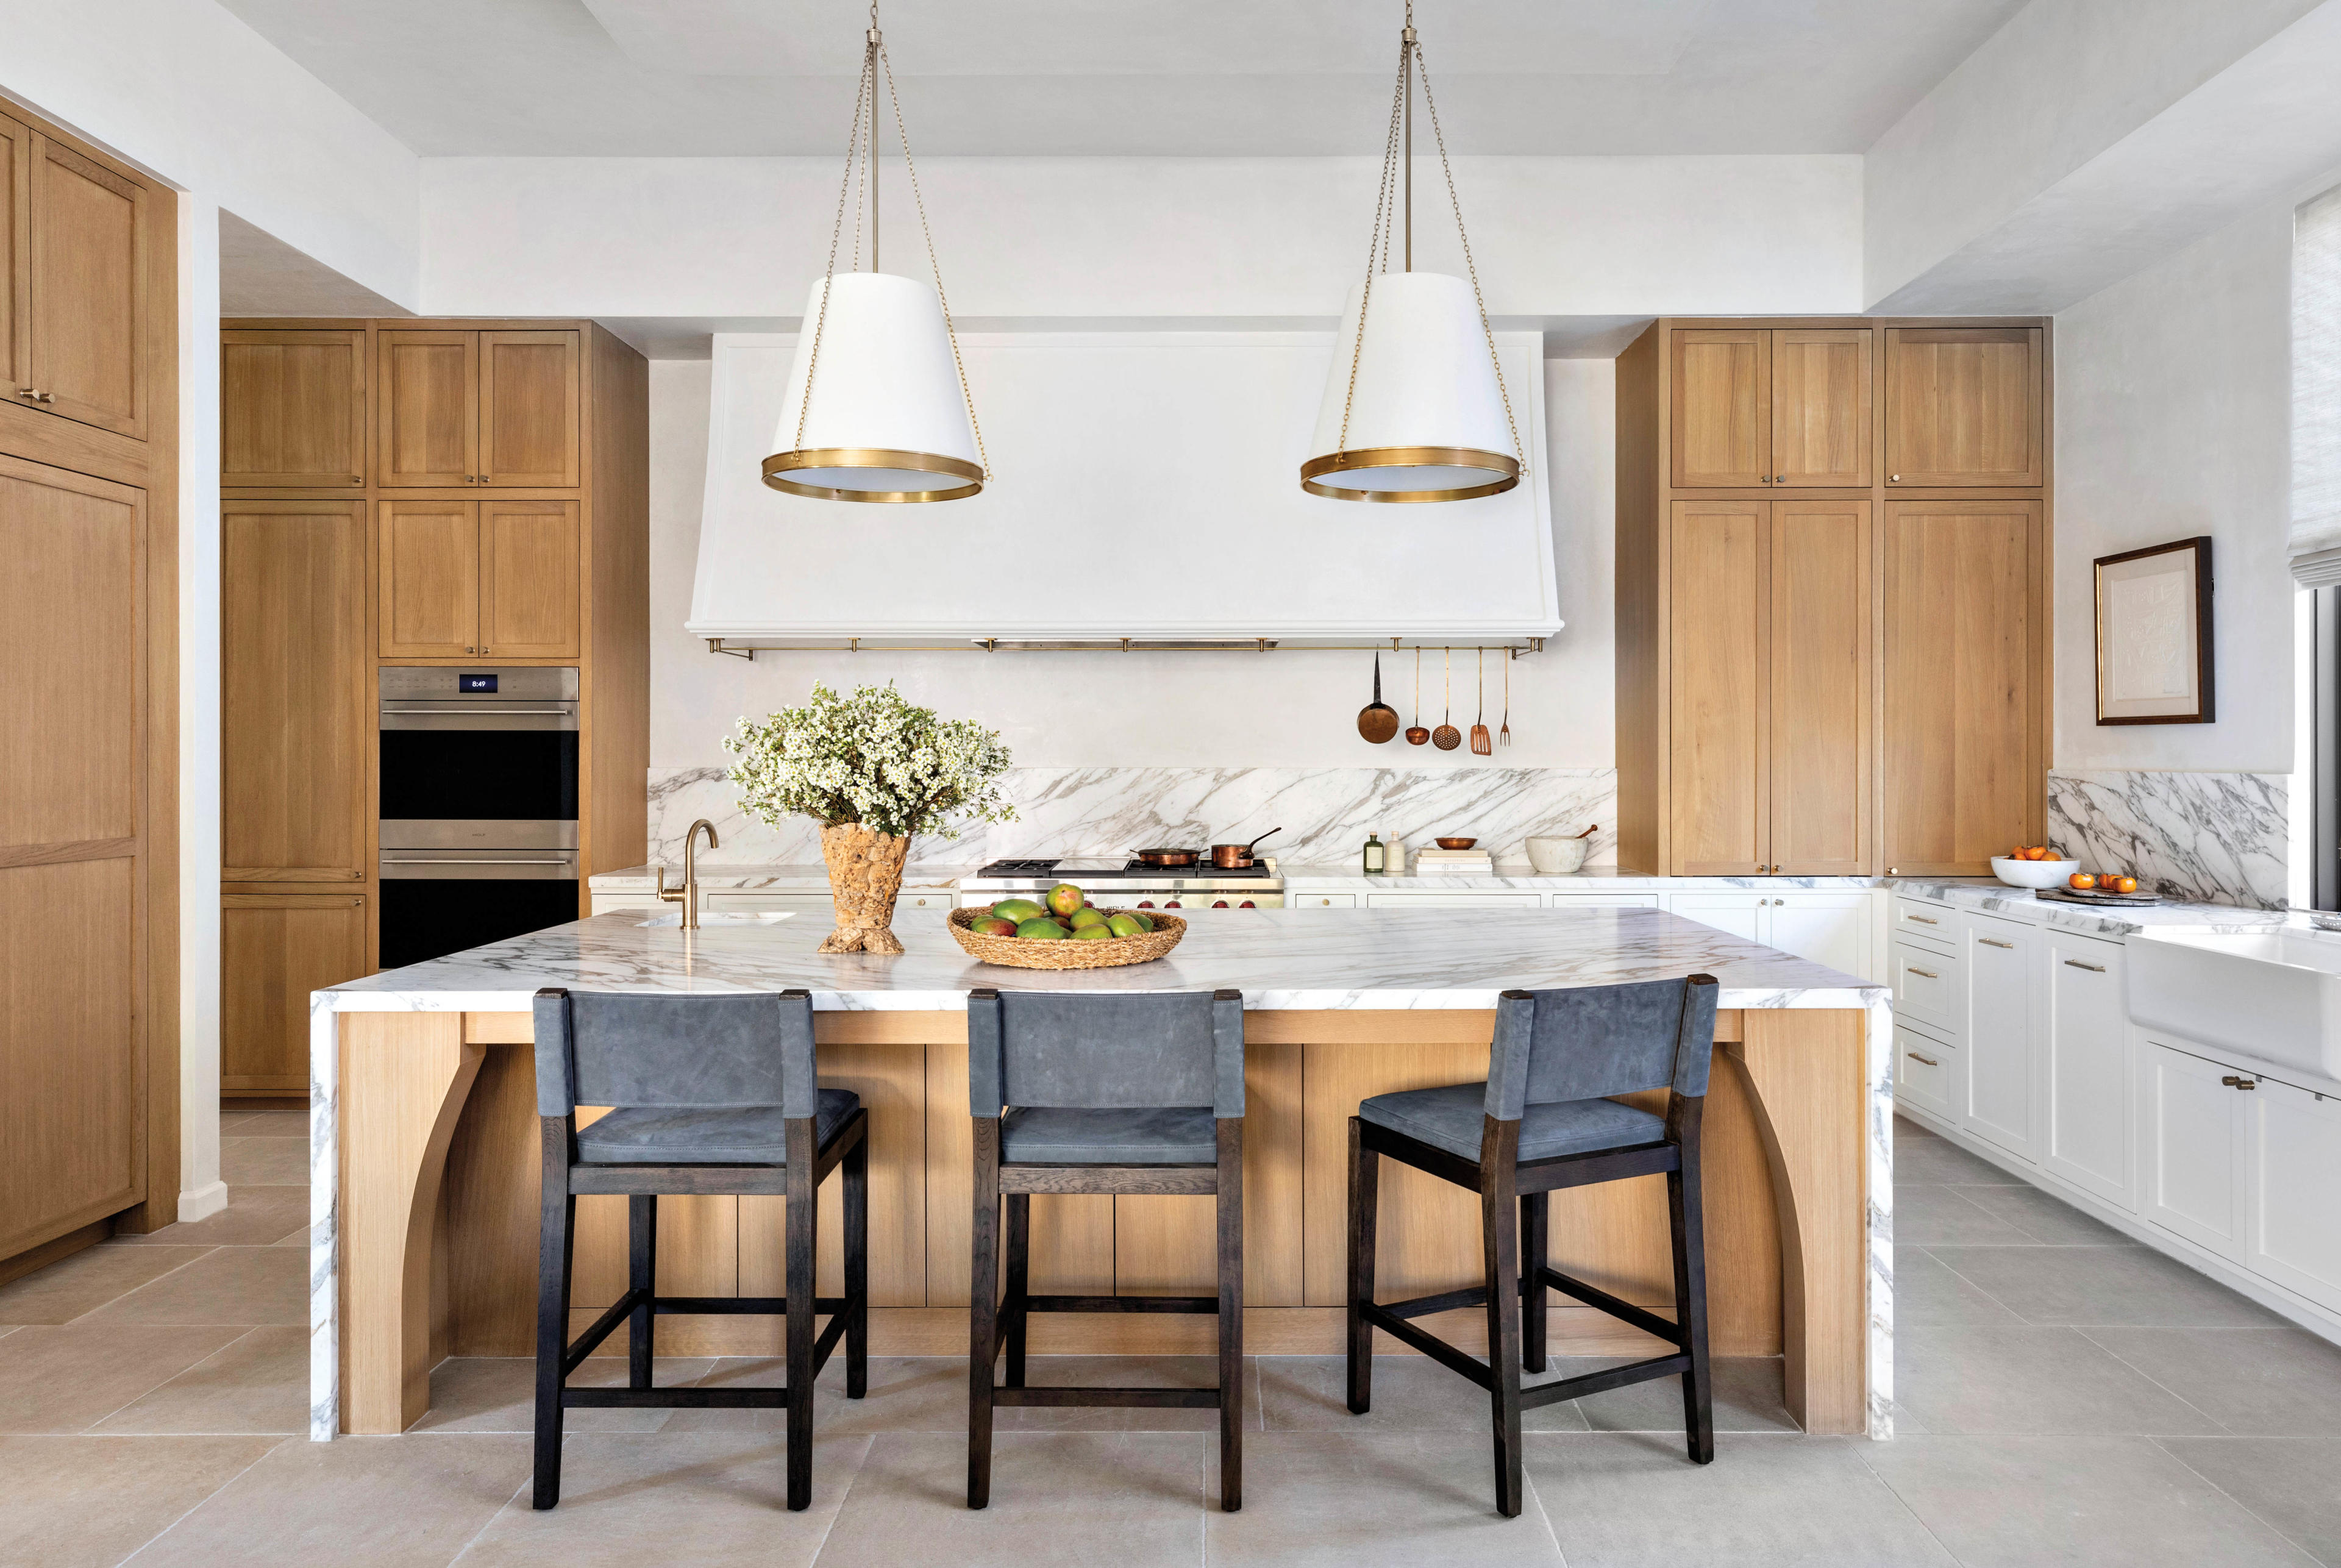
[(687, 894)]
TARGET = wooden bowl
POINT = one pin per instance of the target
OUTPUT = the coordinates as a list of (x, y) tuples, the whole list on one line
[(1018, 953), (1454, 843)]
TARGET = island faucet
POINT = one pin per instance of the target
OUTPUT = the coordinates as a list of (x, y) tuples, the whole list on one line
[(687, 894)]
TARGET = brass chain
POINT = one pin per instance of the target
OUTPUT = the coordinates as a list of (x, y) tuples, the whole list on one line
[(983, 457), (836, 231), (1379, 243), (1456, 202)]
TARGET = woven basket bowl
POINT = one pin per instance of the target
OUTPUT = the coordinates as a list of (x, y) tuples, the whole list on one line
[(1016, 953)]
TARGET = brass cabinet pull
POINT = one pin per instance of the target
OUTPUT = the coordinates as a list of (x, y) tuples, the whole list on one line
[(1929, 1060), (1922, 973), (1923, 919), (2232, 1082), (2092, 968), (1994, 941)]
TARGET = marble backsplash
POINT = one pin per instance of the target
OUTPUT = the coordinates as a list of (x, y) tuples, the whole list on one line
[(2215, 838), (1325, 813)]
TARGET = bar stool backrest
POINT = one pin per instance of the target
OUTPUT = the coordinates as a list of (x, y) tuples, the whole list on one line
[(1593, 1042), (1105, 1053), (698, 1051)]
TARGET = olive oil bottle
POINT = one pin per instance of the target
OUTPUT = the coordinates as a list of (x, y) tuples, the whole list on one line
[(1377, 854)]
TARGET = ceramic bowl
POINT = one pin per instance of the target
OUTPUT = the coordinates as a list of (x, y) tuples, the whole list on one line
[(2033, 873), (1556, 856)]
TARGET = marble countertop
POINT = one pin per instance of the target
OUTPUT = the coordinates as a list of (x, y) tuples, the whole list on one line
[(1279, 959), (2017, 903)]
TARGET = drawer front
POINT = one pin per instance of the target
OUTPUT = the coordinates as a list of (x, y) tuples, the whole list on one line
[(1925, 922), (1605, 901), (1927, 985), (1925, 1072), (1453, 899), (1320, 901)]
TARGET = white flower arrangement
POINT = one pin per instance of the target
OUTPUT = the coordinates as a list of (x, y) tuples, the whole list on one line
[(873, 759)]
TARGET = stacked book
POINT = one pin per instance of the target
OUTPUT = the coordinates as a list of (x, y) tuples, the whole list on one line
[(1474, 861)]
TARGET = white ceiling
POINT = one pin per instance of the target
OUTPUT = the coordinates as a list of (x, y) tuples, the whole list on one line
[(1198, 77)]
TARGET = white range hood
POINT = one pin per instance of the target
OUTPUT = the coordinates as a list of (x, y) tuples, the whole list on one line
[(1143, 486)]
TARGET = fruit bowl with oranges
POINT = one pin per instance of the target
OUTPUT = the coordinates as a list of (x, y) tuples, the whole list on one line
[(2036, 866)]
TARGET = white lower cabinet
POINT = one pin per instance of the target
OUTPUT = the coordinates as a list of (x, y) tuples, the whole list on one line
[(1605, 901), (2085, 1108), (2291, 1149), (2001, 1030), (1830, 928), (1453, 899), (1320, 901), (1740, 914), (1925, 1071), (2191, 1155)]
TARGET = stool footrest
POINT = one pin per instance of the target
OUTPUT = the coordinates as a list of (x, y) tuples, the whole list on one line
[(1446, 1301), (1145, 1398), (1113, 1303), (674, 1398), (1428, 1344), (586, 1343), (1648, 1322), (772, 1306), (1603, 1380)]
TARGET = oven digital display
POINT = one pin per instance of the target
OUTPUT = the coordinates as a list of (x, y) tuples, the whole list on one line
[(475, 683)]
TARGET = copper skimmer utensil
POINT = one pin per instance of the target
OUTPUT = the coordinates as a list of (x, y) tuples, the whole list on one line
[(1447, 737), (1480, 744), (1378, 721), (1415, 733), (1504, 735)]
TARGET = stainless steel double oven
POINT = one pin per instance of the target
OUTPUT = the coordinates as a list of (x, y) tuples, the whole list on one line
[(478, 807)]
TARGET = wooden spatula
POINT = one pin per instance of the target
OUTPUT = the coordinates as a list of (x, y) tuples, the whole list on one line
[(1481, 744)]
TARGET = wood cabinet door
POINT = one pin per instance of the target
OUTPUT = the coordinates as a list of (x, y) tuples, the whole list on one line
[(430, 408), (1719, 647), (16, 258), (1820, 687), (1963, 677), (72, 727), (528, 409), (88, 301), (293, 409), (428, 581), (1720, 412), (294, 713), (1963, 406), (530, 567), (1822, 411), (274, 949)]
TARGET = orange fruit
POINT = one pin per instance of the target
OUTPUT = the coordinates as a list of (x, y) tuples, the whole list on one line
[(2037, 853), (2125, 884), (2081, 882)]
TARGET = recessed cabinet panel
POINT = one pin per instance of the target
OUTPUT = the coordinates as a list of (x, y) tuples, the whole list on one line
[(2085, 1122), (529, 571), (293, 409), (1830, 928), (2192, 1158), (2293, 1143), (1821, 406), (16, 257), (1963, 407), (1925, 1071), (1722, 406), (274, 949), (1820, 692), (428, 582), (1721, 629), (294, 708), (528, 408), (430, 408), (1998, 1039), (88, 320)]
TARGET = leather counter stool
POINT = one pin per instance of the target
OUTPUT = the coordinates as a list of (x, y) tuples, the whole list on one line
[(1127, 1094), (712, 1095), (1542, 1121)]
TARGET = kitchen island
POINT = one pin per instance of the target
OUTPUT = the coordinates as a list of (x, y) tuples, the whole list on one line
[(424, 1148)]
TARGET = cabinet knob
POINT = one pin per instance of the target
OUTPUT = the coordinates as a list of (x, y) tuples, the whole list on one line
[(356, 479), (1779, 479), (1893, 871), (1894, 479), (1763, 478)]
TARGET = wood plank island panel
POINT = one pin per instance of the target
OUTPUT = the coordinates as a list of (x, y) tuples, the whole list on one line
[(1785, 1196)]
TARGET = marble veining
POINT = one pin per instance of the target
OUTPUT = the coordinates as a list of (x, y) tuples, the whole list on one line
[(1325, 813), (2219, 838), (2018, 903)]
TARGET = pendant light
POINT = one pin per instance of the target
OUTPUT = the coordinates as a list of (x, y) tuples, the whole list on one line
[(1415, 407), (877, 407)]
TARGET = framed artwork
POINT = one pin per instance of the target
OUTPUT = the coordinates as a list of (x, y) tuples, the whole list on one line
[(2153, 634)]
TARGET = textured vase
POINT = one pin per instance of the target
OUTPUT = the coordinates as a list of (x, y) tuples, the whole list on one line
[(865, 878)]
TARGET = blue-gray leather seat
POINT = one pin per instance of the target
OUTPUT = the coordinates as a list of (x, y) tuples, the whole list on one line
[(1132, 1135), (1454, 1116), (708, 1135)]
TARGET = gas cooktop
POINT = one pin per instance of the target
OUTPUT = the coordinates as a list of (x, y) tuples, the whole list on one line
[(1073, 868)]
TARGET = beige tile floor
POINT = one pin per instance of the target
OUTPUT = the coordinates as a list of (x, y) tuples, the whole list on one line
[(2066, 1397)]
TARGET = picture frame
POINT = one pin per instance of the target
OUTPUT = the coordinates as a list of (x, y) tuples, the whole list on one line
[(2153, 634)]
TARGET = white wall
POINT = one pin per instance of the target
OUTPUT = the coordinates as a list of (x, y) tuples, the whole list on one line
[(2173, 416), (1140, 238), (1282, 709)]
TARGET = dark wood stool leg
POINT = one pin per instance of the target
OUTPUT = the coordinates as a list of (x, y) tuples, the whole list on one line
[(983, 1314), (1230, 1200), (1535, 1299), (1017, 1317), (642, 1275), (1691, 1295), (857, 1268), (798, 1285), (1365, 1196), (1500, 1231), (554, 1243)]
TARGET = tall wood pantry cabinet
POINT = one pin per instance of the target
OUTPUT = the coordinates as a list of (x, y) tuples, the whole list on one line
[(1832, 596), (89, 931), (407, 492)]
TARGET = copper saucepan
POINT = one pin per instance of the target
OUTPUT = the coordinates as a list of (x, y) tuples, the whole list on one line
[(1166, 859), (1236, 856)]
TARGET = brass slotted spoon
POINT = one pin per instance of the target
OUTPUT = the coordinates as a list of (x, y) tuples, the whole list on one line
[(1415, 733), (1447, 737), (1480, 744)]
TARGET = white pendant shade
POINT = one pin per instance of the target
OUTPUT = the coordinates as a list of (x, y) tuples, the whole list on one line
[(1426, 417), (889, 419)]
